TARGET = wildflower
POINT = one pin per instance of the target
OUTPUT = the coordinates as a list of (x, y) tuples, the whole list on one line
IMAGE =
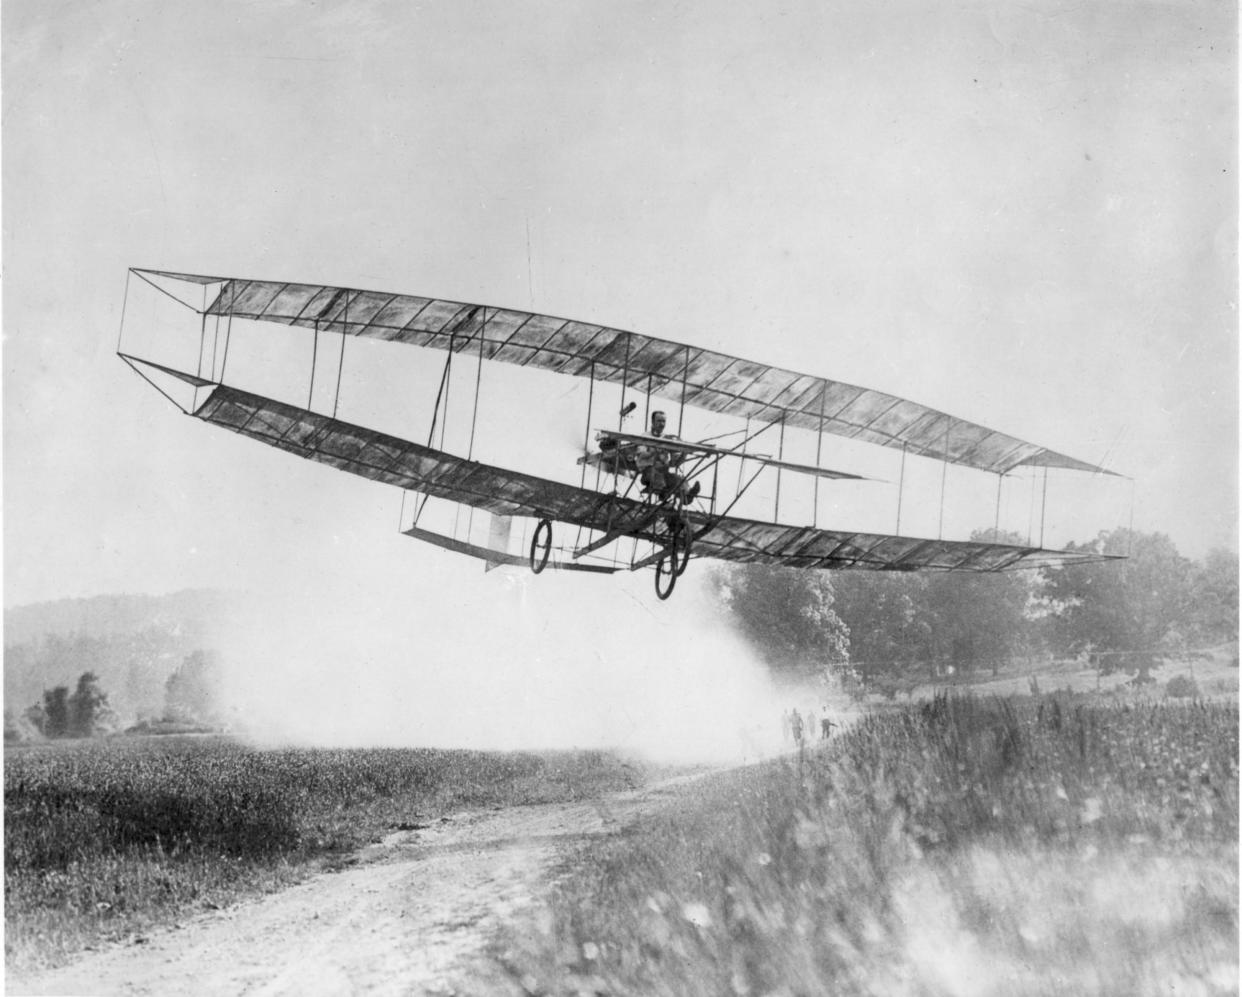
[(590, 951), (697, 914), (765, 858)]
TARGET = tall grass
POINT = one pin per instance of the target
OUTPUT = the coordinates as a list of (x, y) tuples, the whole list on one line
[(103, 840), (960, 846)]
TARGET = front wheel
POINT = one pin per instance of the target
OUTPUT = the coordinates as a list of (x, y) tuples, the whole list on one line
[(665, 577), (679, 546), (541, 546)]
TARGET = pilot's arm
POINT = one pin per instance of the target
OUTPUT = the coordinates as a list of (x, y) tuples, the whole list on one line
[(675, 457)]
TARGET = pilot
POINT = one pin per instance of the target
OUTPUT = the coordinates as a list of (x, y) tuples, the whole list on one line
[(656, 466)]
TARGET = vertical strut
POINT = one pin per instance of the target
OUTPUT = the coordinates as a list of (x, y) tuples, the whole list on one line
[(341, 363), (780, 455), (435, 415), (742, 463), (228, 329), (901, 486), (1000, 478), (1030, 514), (586, 436), (625, 376), (819, 445), (310, 395), (685, 374), (586, 447), (1043, 507), (202, 343), (474, 416), (944, 472)]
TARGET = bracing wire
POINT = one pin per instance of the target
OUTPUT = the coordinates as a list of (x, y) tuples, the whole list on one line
[(120, 333)]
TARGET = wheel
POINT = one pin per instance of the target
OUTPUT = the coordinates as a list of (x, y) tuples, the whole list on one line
[(664, 571), (682, 538), (541, 548)]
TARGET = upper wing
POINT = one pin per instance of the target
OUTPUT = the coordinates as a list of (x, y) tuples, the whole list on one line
[(411, 465), (705, 379)]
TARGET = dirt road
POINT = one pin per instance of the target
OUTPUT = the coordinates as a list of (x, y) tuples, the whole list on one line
[(411, 917)]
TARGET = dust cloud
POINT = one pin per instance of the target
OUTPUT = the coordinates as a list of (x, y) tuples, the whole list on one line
[(501, 661)]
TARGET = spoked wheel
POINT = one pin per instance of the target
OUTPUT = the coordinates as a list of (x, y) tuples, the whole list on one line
[(541, 546), (665, 578)]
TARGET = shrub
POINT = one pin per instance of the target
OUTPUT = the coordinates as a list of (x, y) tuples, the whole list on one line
[(1182, 687)]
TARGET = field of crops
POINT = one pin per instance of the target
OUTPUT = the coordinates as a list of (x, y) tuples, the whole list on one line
[(104, 839), (1038, 846)]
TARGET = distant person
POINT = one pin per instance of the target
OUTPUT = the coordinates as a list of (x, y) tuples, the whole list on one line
[(825, 726), (795, 727), (656, 467)]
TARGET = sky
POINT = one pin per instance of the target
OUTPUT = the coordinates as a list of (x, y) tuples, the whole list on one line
[(1021, 214)]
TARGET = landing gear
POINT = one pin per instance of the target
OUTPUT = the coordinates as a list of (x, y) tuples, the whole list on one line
[(679, 547), (665, 578), (672, 564), (541, 546)]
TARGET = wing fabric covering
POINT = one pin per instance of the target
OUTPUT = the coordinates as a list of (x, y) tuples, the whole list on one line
[(702, 378), (394, 461)]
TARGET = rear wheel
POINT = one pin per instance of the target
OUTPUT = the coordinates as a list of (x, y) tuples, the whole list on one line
[(541, 546)]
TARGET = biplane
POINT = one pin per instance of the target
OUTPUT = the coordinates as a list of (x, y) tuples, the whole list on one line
[(643, 498)]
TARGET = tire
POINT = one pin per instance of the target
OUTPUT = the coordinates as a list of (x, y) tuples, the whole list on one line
[(539, 550), (683, 538), (662, 572)]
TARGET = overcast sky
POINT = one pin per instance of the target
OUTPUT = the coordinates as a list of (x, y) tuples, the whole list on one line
[(1022, 214)]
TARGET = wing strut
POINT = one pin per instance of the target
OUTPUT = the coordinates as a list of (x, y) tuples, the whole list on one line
[(901, 486), (586, 442), (435, 415)]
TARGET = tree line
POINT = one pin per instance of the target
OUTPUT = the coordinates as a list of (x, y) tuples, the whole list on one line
[(882, 629), (191, 696)]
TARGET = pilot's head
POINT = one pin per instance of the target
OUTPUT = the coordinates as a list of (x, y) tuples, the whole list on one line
[(657, 423)]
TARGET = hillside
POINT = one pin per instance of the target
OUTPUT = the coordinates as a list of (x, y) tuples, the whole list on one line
[(131, 642), (192, 611)]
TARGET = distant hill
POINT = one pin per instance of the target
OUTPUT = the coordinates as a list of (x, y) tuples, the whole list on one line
[(131, 642), (193, 611)]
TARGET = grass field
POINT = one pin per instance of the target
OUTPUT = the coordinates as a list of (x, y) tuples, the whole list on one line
[(1213, 672), (104, 840), (1045, 845)]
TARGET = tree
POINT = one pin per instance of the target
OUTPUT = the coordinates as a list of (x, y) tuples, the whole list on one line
[(900, 622), (89, 713), (36, 716), (1214, 599), (1126, 615), (56, 712), (786, 614), (981, 619), (191, 692), (890, 629)]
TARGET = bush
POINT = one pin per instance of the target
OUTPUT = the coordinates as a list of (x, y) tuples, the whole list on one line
[(1182, 687)]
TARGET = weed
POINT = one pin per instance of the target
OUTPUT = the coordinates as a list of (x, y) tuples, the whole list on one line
[(103, 840), (1019, 846)]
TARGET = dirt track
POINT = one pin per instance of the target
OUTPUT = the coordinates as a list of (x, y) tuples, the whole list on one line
[(412, 917)]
